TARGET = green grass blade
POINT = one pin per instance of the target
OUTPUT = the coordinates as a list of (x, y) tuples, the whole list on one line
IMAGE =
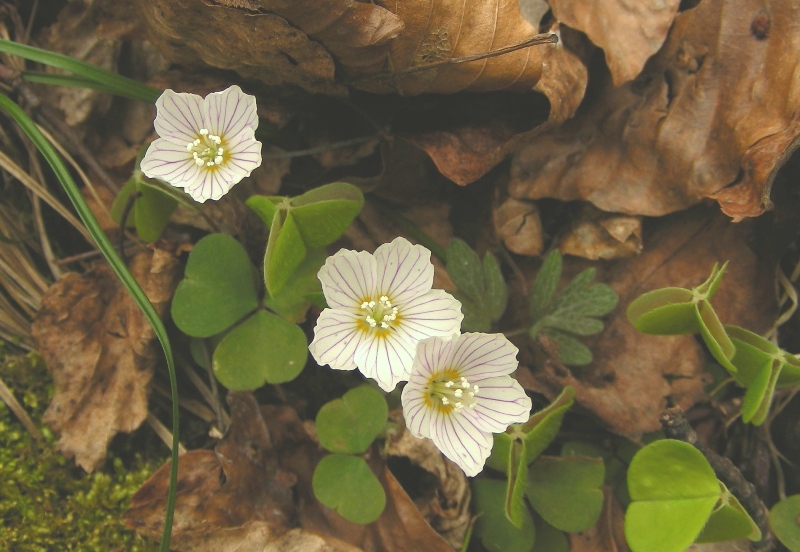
[(133, 89), (75, 81), (52, 158)]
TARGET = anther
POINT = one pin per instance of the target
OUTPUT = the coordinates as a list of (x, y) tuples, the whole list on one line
[(204, 131)]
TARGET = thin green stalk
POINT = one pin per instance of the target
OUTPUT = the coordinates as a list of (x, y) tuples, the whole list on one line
[(61, 172), (75, 81), (133, 88), (409, 227)]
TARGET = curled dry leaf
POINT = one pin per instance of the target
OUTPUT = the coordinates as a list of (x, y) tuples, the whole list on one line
[(628, 32), (598, 235), (518, 224), (101, 352), (437, 30), (442, 492), (714, 114), (564, 78), (221, 490), (635, 376)]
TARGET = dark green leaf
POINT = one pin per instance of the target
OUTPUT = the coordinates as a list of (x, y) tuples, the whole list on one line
[(464, 268), (217, 289), (265, 207), (570, 351), (123, 202), (548, 538), (543, 426), (347, 485), (783, 520), (263, 349), (496, 287), (153, 210), (475, 320), (496, 532), (350, 424), (576, 326), (544, 287)]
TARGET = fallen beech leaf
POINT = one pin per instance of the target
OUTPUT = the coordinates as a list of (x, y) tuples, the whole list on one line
[(714, 114), (628, 32), (598, 235), (436, 30), (219, 490), (635, 376), (441, 492), (517, 223), (101, 353), (564, 79), (608, 534)]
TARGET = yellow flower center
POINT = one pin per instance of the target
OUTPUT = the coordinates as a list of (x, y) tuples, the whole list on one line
[(449, 391), (379, 315), (206, 149)]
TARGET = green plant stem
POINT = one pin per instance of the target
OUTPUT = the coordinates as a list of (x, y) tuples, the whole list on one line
[(409, 227), (517, 331), (75, 81), (132, 88), (130, 283)]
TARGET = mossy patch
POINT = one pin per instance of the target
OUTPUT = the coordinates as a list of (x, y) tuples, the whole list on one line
[(46, 503)]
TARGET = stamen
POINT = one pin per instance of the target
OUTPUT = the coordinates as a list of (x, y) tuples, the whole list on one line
[(204, 131), (452, 390)]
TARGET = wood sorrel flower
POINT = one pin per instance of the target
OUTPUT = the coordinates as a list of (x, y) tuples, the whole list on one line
[(459, 393), (382, 305), (206, 145)]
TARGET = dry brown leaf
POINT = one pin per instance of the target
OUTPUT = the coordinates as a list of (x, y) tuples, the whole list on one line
[(598, 235), (220, 490), (436, 30), (608, 534), (101, 353), (628, 32), (634, 376), (713, 115), (517, 223), (564, 79), (75, 34)]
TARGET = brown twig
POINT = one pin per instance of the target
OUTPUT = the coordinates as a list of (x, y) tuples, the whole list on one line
[(533, 41), (677, 427)]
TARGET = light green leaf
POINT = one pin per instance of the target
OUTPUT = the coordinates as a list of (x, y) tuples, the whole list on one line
[(153, 209), (729, 521), (783, 520), (496, 532), (217, 290), (263, 349), (323, 214), (265, 207), (566, 491), (285, 251), (571, 351), (666, 311), (347, 485), (301, 290), (350, 424), (121, 204)]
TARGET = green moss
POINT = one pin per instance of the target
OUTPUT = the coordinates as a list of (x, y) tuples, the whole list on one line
[(46, 503)]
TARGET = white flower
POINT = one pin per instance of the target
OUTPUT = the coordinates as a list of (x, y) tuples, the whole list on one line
[(382, 305), (459, 393), (206, 145)]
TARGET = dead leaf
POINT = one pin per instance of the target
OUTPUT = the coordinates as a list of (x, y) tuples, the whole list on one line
[(598, 235), (705, 119), (517, 223), (239, 482), (564, 77), (441, 492), (608, 535), (628, 32), (436, 30), (101, 352), (75, 34), (635, 376)]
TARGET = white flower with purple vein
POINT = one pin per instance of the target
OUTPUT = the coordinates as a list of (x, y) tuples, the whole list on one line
[(206, 145), (459, 392), (381, 306)]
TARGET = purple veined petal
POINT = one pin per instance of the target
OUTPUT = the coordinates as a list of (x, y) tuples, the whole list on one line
[(480, 356), (405, 271), (501, 402), (417, 410), (348, 279), (244, 153), (431, 357), (179, 117), (229, 112), (461, 441), (169, 162), (433, 313), (385, 359), (336, 339), (209, 184)]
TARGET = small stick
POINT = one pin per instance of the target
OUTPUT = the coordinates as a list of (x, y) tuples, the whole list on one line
[(677, 427), (533, 41), (13, 404)]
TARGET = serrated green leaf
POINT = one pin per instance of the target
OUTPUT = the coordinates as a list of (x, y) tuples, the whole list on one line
[(496, 287), (464, 268), (285, 251), (496, 532), (571, 351), (481, 289), (783, 519), (566, 491), (474, 318), (350, 424), (576, 326), (544, 287), (347, 485)]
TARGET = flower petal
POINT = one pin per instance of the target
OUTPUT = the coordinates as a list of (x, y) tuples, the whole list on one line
[(229, 112), (479, 355), (434, 313), (209, 184), (405, 271), (501, 402), (461, 441), (169, 162), (336, 339), (348, 279), (385, 359), (179, 117), (244, 154), (417, 410)]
